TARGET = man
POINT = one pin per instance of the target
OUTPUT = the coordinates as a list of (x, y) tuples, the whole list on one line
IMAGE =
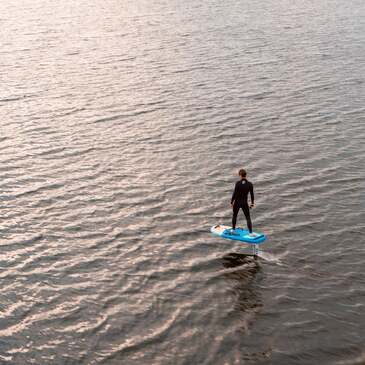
[(239, 200)]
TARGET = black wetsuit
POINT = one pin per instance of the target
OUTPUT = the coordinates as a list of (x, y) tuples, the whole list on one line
[(239, 200)]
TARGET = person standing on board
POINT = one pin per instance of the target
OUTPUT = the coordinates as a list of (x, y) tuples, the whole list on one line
[(239, 200)]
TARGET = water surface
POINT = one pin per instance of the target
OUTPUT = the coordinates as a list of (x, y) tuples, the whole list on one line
[(123, 125)]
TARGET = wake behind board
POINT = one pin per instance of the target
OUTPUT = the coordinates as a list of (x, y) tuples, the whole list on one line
[(238, 234)]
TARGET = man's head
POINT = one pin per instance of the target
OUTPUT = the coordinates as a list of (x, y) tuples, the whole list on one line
[(242, 174)]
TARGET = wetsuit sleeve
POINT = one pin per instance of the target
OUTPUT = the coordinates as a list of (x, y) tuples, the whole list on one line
[(234, 194), (251, 194)]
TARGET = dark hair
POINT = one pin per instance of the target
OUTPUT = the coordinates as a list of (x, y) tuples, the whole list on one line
[(242, 173)]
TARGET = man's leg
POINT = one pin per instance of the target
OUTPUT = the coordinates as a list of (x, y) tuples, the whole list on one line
[(246, 211), (236, 209)]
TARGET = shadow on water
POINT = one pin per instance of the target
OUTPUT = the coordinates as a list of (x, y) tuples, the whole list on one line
[(243, 272)]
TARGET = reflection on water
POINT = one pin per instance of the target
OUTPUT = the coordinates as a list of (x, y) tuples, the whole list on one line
[(245, 286), (243, 277)]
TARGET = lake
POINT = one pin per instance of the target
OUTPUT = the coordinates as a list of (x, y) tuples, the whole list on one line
[(123, 127)]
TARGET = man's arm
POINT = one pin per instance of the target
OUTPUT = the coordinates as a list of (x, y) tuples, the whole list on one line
[(252, 196), (234, 194)]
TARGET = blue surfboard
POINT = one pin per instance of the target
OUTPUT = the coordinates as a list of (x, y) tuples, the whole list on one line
[(238, 234)]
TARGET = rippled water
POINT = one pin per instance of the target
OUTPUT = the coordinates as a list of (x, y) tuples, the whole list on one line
[(123, 125)]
